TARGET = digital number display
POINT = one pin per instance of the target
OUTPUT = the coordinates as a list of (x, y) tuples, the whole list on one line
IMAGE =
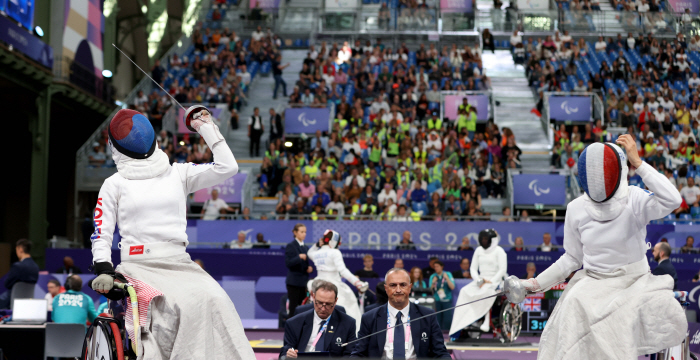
[(537, 325)]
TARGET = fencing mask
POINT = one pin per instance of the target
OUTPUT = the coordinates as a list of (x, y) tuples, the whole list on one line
[(331, 238), (602, 168), (131, 133), (487, 238)]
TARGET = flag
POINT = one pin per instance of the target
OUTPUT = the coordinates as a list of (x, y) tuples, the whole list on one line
[(531, 304)]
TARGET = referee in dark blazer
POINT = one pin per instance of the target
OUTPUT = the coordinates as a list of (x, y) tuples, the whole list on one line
[(662, 253), (323, 329), (298, 267)]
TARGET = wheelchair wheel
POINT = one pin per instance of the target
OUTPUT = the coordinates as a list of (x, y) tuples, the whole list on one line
[(511, 321), (103, 341)]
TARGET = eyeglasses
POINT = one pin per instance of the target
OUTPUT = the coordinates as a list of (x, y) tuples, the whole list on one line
[(324, 305), (402, 285)]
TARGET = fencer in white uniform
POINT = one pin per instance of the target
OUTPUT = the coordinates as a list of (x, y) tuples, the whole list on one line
[(613, 308), (185, 314), (330, 266), (489, 266)]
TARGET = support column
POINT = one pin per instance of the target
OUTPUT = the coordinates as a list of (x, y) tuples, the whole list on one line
[(38, 223)]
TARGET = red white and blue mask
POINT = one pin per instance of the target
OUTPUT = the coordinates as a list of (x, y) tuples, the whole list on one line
[(602, 168), (131, 133)]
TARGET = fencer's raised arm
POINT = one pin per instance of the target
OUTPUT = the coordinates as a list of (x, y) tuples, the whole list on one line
[(199, 176), (663, 199), (105, 220)]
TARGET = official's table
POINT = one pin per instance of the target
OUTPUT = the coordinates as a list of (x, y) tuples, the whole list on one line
[(23, 341)]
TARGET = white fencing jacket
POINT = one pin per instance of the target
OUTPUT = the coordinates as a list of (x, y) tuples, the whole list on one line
[(605, 236), (147, 197)]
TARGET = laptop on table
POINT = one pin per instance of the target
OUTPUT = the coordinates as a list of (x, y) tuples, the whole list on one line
[(29, 312)]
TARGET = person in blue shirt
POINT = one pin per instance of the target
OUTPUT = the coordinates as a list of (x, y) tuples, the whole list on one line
[(73, 306), (24, 270), (442, 284)]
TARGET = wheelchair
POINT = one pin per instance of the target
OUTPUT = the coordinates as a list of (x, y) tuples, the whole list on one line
[(682, 351), (505, 323), (107, 338)]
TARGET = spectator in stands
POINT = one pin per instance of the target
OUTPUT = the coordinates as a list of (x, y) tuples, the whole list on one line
[(430, 269), (530, 271), (487, 40), (157, 72), (691, 193), (276, 126), (306, 188), (547, 245), (519, 245), (68, 267), (524, 216), (97, 156), (260, 242), (73, 306), (367, 272), (258, 34), (25, 270), (662, 253), (689, 247), (464, 270), (54, 288), (214, 208), (465, 246), (241, 242), (417, 281), (406, 242), (398, 263)]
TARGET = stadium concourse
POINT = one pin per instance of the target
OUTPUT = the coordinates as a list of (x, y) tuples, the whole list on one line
[(439, 137)]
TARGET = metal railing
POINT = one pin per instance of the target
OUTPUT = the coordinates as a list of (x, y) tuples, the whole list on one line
[(68, 70)]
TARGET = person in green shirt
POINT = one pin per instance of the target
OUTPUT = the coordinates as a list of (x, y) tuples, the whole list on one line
[(442, 284), (73, 306)]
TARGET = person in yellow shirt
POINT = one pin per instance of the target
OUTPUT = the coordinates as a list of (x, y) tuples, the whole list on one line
[(683, 115)]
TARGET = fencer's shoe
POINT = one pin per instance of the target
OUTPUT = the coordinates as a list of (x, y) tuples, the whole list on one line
[(485, 327)]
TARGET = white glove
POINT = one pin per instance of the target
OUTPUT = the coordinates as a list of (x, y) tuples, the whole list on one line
[(203, 119), (209, 131), (103, 283), (362, 286), (531, 285)]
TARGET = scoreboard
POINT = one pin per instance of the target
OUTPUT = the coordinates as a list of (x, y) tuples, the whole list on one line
[(538, 307)]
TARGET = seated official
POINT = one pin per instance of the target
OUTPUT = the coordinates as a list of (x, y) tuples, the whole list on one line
[(310, 305), (321, 329), (73, 306), (418, 340)]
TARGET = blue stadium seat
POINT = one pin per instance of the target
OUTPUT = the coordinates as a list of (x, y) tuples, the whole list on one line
[(695, 212), (670, 219), (685, 217)]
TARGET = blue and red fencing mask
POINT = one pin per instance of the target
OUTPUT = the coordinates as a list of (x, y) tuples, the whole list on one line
[(602, 168), (131, 133)]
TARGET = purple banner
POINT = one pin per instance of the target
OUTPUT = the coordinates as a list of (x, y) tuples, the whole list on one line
[(480, 102), (570, 108), (231, 190), (547, 189), (456, 5), (679, 6), (25, 42), (306, 120)]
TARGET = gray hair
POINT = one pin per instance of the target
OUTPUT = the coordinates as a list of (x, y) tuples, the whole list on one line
[(325, 285)]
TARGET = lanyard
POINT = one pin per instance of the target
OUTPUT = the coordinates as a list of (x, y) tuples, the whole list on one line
[(390, 332), (320, 332)]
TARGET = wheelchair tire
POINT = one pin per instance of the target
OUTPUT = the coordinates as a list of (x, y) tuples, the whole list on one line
[(511, 321), (103, 341), (693, 356)]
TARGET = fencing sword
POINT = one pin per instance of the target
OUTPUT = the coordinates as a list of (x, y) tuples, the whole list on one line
[(425, 316), (132, 61)]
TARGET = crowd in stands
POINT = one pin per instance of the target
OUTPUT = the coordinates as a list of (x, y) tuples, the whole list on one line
[(649, 87), (217, 68), (390, 155)]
